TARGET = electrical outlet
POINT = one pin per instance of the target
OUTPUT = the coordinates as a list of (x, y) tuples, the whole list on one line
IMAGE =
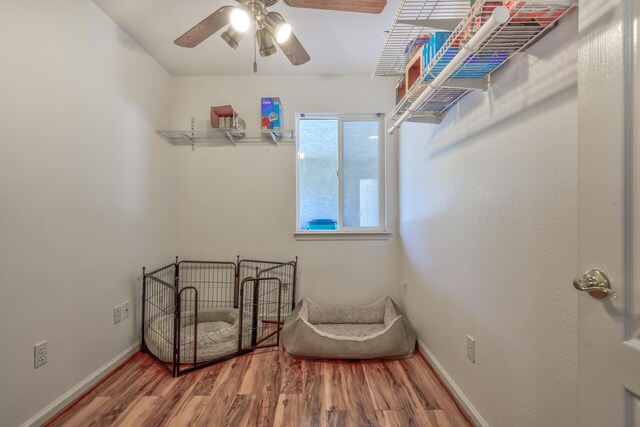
[(471, 348), (405, 285), (117, 314), (125, 310), (39, 354)]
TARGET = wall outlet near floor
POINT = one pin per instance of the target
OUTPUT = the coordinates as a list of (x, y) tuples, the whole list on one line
[(39, 354), (405, 285), (125, 310), (117, 314), (471, 348)]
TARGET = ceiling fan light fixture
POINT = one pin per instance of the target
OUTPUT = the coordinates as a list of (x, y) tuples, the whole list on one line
[(240, 20), (280, 29), (232, 36), (265, 42), (283, 33)]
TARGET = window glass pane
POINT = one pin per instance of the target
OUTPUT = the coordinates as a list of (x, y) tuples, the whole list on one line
[(318, 157), (360, 174)]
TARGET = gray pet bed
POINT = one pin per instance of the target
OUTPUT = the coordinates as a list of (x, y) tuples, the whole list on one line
[(217, 335), (373, 331)]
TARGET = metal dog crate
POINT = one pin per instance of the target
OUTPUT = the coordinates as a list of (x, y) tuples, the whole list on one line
[(197, 313)]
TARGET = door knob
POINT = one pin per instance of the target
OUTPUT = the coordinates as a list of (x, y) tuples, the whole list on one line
[(596, 283)]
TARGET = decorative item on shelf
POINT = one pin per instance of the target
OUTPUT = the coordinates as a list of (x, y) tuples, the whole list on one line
[(225, 117), (271, 117), (416, 44)]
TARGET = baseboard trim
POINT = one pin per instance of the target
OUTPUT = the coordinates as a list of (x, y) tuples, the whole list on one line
[(463, 401), (70, 396)]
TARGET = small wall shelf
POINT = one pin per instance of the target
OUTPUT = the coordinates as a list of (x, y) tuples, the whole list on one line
[(228, 136), (460, 66)]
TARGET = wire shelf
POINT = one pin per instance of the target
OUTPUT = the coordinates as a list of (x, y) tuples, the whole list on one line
[(528, 20), (401, 37), (228, 136)]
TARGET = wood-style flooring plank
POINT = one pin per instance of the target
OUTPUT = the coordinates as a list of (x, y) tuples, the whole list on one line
[(137, 413), (288, 411), (78, 419), (312, 409), (337, 418), (189, 412), (224, 392), (266, 389), (394, 418), (173, 396), (425, 384), (386, 391), (292, 375), (205, 385), (359, 402), (335, 391), (242, 412)]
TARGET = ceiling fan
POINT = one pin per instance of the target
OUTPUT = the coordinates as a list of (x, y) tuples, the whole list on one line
[(270, 26)]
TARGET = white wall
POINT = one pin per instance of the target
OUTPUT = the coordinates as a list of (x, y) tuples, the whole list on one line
[(488, 237), (241, 200), (86, 193)]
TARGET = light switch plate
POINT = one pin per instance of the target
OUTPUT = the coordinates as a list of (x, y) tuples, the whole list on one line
[(471, 348)]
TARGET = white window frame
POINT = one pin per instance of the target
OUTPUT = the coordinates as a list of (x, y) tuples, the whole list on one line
[(375, 233)]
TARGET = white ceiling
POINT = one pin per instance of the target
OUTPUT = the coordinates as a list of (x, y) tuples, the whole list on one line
[(338, 42)]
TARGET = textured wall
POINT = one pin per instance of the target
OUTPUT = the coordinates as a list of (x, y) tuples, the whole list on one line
[(241, 200), (488, 229), (86, 193)]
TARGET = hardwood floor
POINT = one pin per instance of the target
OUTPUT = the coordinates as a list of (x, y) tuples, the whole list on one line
[(267, 389)]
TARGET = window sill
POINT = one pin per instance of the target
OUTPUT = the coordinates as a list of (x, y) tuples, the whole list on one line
[(342, 235)]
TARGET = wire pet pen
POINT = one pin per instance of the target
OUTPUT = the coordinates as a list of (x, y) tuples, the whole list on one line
[(197, 313)]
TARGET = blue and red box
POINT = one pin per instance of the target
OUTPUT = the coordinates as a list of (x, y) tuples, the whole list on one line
[(271, 117), (475, 67)]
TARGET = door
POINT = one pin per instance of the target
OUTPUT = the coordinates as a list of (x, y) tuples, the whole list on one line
[(608, 214)]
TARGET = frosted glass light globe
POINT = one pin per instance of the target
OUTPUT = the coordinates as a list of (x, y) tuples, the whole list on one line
[(240, 20)]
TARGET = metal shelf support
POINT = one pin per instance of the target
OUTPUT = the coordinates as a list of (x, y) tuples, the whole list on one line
[(471, 84)]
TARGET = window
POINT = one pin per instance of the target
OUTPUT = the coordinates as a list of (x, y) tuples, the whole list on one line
[(340, 173)]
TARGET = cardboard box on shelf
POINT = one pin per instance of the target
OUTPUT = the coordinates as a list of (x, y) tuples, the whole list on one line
[(436, 42), (414, 69), (225, 117), (271, 117)]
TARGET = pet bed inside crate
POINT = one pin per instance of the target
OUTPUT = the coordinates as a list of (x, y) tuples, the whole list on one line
[(373, 331), (216, 335)]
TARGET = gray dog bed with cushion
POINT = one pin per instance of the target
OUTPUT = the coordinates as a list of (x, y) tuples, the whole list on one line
[(373, 331), (217, 335)]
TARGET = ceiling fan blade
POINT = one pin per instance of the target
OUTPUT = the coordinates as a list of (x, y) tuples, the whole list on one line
[(363, 6), (293, 49), (205, 28)]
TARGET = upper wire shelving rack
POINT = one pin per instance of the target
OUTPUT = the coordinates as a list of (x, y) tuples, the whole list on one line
[(527, 21)]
